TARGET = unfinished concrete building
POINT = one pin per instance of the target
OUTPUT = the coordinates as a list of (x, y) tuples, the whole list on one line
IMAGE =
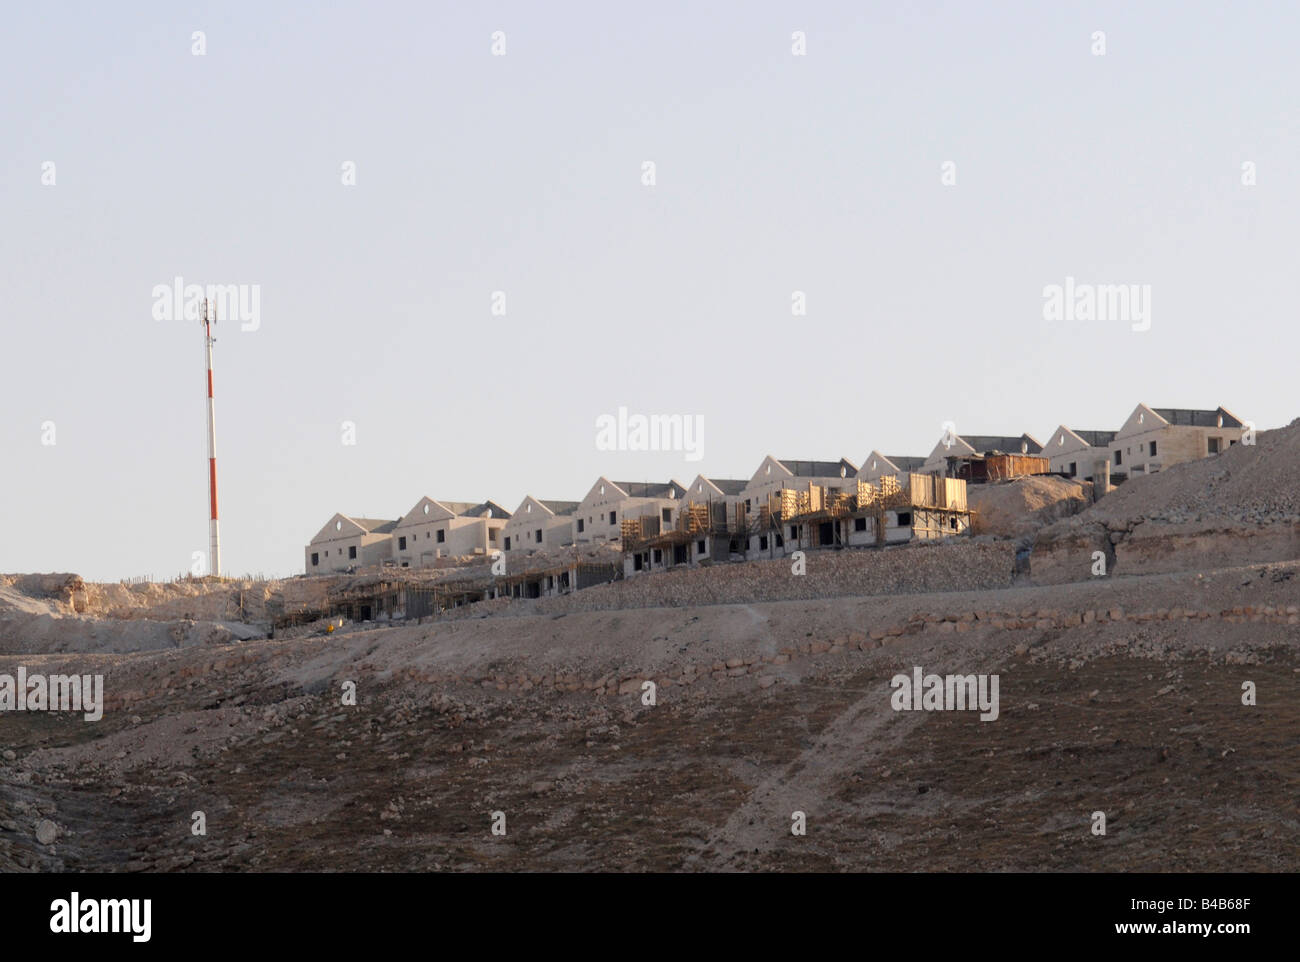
[(538, 525), (1155, 438), (553, 579), (876, 466), (705, 530), (762, 497), (346, 543), (915, 507), (599, 515), (953, 447), (434, 530), (1077, 453), (853, 514)]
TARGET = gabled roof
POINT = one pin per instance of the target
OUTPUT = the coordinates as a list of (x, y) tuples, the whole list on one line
[(1096, 439), (484, 509), (428, 510), (376, 525), (343, 526), (705, 488), (545, 510), (669, 490), (649, 489), (559, 508), (1091, 439), (729, 485), (1192, 417), (905, 462), (1140, 421), (1006, 444), (876, 464), (818, 469)]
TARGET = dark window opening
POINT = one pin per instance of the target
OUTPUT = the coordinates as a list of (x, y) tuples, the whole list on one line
[(539, 535), (401, 544), (352, 551), (1153, 449), (668, 515), (1119, 458), (315, 558), (699, 546), (613, 517), (859, 524), (507, 542), (762, 542), (904, 519), (442, 535), (580, 526)]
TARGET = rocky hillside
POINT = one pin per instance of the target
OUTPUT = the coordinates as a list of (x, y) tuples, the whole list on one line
[(1121, 696), (1234, 508)]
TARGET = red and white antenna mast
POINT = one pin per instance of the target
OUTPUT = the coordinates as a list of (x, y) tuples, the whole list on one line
[(214, 531)]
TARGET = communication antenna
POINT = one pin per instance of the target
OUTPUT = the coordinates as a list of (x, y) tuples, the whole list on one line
[(208, 318)]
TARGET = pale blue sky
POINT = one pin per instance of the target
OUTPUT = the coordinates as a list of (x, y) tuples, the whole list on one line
[(521, 173)]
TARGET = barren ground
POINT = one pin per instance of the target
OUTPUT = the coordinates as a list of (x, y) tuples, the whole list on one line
[(1139, 716)]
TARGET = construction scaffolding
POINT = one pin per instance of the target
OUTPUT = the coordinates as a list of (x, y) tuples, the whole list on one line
[(934, 507), (696, 519), (924, 506), (703, 532)]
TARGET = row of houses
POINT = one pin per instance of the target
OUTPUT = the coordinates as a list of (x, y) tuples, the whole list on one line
[(784, 506), (1149, 440)]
